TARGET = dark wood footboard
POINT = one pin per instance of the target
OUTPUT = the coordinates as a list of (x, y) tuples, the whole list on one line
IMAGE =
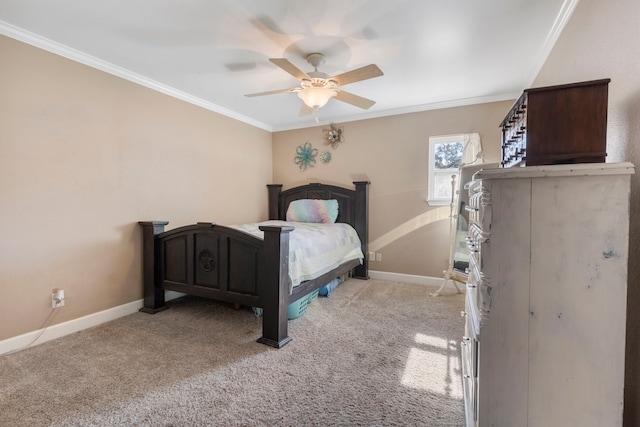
[(223, 264), (226, 264)]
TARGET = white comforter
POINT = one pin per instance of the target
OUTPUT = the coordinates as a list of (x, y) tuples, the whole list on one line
[(314, 249)]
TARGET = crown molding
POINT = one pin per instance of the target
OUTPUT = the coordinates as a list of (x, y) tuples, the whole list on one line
[(552, 37), (33, 39), (404, 110), (59, 49)]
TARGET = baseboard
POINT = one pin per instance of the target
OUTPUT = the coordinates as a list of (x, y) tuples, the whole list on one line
[(61, 329), (406, 278)]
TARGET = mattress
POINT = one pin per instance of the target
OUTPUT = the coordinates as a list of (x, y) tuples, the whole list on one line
[(314, 248)]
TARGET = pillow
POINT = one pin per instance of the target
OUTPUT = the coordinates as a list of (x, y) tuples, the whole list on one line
[(313, 210)]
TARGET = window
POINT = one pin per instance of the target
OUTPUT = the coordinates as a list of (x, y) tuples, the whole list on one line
[(447, 154), (445, 159)]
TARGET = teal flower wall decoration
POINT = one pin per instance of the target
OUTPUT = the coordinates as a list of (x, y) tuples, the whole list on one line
[(305, 156)]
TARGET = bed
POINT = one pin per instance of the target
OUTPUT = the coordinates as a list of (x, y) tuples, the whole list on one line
[(235, 265)]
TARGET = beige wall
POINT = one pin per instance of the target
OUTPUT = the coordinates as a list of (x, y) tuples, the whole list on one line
[(602, 39), (85, 155), (392, 152)]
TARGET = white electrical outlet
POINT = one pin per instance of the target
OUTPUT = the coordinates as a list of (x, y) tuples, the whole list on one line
[(372, 256), (378, 256), (57, 298)]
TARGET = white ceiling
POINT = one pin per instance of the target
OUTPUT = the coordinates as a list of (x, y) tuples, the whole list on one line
[(434, 53)]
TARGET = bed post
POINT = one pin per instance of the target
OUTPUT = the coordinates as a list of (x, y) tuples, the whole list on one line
[(274, 200), (153, 292), (273, 285), (361, 224)]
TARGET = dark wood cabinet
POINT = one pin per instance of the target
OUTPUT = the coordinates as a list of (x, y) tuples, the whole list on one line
[(556, 125)]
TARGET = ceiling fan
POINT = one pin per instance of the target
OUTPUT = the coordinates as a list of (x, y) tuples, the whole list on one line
[(316, 88)]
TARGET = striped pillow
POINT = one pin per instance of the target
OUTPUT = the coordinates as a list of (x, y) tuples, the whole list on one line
[(313, 210)]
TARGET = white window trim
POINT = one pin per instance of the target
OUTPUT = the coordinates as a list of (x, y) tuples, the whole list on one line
[(471, 153), (433, 140)]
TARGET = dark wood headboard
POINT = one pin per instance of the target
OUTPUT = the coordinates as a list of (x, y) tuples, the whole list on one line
[(353, 206)]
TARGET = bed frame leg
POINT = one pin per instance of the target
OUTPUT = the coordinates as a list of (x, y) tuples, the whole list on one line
[(362, 226), (153, 292), (274, 286)]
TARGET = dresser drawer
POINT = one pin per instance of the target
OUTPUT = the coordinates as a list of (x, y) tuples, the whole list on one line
[(469, 353)]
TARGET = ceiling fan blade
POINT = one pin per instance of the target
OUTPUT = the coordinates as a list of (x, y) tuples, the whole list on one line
[(362, 73), (271, 92), (287, 66), (305, 110), (356, 100)]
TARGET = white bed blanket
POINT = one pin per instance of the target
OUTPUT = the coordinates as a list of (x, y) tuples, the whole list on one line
[(314, 249)]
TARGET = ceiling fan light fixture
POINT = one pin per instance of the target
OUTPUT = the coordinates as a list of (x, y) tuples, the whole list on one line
[(316, 88), (316, 97), (317, 91)]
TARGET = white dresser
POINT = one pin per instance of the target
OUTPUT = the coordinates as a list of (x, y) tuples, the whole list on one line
[(545, 308)]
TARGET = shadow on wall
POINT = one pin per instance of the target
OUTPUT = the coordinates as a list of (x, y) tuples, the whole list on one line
[(632, 370)]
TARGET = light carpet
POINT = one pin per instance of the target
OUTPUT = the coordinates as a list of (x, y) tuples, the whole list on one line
[(376, 353)]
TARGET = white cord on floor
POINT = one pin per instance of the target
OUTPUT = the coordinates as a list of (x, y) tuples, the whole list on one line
[(45, 325)]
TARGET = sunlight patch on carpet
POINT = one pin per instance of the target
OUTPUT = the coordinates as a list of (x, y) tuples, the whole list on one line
[(433, 366)]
